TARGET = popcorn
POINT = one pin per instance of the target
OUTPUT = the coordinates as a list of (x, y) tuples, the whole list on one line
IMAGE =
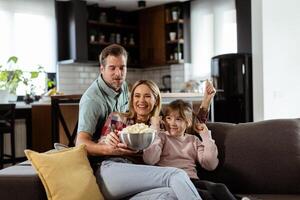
[(138, 128)]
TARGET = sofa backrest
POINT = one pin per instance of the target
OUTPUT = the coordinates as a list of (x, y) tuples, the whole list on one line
[(257, 157)]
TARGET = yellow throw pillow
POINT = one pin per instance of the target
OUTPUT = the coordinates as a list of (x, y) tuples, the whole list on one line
[(66, 174)]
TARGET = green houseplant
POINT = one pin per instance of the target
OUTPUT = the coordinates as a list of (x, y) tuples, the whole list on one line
[(12, 76)]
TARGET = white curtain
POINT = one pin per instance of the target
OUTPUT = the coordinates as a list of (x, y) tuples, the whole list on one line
[(28, 31), (213, 32)]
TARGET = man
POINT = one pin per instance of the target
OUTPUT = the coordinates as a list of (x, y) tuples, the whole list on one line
[(109, 93)]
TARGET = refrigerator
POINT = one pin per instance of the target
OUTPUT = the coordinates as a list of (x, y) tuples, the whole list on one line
[(232, 78)]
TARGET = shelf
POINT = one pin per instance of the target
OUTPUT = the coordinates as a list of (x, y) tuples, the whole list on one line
[(108, 43), (179, 21), (108, 24), (180, 41), (175, 61)]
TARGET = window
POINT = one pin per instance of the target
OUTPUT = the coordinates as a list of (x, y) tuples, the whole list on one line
[(28, 32), (213, 32)]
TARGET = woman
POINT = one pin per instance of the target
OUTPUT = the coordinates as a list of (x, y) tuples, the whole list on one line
[(122, 176)]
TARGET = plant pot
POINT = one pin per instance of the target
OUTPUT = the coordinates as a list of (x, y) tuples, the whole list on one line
[(6, 97), (28, 98)]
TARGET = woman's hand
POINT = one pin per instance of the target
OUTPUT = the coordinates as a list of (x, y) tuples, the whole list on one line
[(118, 148), (112, 139), (209, 88), (209, 93)]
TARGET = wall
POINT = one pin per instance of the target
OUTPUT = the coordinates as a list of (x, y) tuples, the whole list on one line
[(276, 67), (75, 78)]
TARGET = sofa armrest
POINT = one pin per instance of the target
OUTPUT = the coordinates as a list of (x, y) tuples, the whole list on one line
[(21, 182), (258, 157)]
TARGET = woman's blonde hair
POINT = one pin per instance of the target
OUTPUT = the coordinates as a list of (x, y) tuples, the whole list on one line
[(183, 108), (156, 93)]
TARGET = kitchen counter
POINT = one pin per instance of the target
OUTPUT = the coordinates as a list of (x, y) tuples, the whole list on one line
[(193, 98), (190, 97)]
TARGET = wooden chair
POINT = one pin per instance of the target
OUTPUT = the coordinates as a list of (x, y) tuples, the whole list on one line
[(63, 120), (7, 126)]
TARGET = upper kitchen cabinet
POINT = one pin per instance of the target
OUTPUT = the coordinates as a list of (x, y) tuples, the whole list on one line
[(152, 36), (177, 27), (106, 26), (71, 30)]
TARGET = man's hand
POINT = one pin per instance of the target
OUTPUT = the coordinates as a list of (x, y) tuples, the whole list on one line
[(121, 149)]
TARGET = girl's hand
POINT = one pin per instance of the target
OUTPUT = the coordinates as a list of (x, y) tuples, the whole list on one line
[(201, 127), (203, 131), (155, 122)]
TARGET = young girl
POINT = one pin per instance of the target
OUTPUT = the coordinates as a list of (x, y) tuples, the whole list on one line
[(175, 148)]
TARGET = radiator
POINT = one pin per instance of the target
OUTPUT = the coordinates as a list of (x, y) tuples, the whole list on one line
[(20, 139)]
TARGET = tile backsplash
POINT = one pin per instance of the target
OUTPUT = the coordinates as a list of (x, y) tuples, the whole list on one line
[(75, 78)]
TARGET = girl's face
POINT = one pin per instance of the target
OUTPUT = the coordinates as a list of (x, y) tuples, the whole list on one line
[(175, 124), (143, 101)]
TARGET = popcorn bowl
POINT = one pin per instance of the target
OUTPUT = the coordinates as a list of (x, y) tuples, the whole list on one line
[(137, 141)]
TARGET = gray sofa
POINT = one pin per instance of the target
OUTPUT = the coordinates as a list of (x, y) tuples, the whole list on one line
[(259, 159)]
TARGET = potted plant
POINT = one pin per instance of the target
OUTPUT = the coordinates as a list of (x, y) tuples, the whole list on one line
[(11, 76)]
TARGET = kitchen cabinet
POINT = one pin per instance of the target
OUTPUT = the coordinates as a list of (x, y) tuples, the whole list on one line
[(84, 30), (152, 36), (177, 26), (41, 125), (106, 26)]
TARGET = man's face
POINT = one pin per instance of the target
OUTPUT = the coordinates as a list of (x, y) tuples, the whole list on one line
[(114, 72)]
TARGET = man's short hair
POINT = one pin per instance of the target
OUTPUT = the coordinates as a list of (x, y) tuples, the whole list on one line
[(114, 50)]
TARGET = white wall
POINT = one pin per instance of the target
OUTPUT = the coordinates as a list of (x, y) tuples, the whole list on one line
[(257, 69), (276, 66)]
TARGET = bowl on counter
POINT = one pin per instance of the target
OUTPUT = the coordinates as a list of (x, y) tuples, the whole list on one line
[(137, 141)]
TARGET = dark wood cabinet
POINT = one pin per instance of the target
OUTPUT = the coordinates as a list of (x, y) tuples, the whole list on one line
[(41, 125), (41, 128), (152, 36), (106, 26), (84, 30), (177, 26)]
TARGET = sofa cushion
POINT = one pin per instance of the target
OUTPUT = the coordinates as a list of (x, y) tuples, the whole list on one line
[(260, 157), (21, 182), (66, 174)]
